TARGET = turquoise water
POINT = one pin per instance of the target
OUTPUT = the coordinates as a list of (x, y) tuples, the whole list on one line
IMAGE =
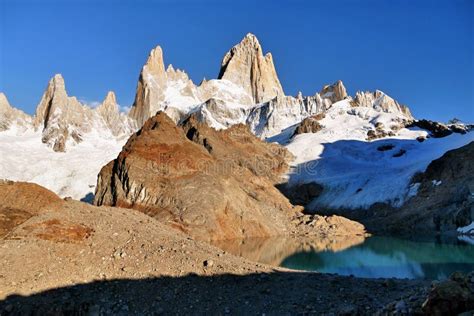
[(386, 257)]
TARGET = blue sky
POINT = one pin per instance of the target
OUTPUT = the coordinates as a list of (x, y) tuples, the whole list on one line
[(419, 52)]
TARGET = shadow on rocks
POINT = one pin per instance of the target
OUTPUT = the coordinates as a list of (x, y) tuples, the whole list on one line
[(274, 293)]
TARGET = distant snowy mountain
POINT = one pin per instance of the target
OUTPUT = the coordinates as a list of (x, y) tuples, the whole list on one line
[(363, 149)]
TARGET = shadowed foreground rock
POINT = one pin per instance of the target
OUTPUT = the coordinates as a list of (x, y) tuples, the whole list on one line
[(209, 184)]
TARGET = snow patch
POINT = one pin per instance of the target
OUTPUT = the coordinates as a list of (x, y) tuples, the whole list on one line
[(467, 230), (72, 173)]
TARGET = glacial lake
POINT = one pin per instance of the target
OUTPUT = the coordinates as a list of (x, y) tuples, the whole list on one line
[(373, 257)]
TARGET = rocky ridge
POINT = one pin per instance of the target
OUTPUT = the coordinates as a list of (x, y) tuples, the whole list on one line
[(247, 90), (63, 120)]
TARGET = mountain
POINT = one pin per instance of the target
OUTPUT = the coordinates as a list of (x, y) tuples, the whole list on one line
[(347, 149), (63, 119), (65, 144), (247, 90)]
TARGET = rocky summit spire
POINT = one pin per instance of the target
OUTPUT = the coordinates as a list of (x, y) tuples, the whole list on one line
[(61, 118), (246, 66), (109, 111), (162, 90), (151, 86), (54, 96)]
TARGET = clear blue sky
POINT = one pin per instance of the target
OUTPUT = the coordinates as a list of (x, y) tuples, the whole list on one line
[(419, 52)]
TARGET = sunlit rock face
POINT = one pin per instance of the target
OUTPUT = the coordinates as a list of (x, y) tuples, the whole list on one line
[(380, 101), (64, 121), (11, 117), (247, 67), (164, 169)]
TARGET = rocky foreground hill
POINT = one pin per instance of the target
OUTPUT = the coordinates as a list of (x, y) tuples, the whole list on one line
[(66, 257)]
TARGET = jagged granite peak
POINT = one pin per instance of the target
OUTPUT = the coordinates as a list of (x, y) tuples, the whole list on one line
[(380, 101), (246, 66), (118, 123), (335, 92), (150, 87), (4, 104), (159, 89), (155, 64), (64, 120), (109, 105), (54, 96), (11, 116), (61, 118)]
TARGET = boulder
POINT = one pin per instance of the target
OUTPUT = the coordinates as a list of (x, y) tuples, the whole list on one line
[(308, 125), (451, 297)]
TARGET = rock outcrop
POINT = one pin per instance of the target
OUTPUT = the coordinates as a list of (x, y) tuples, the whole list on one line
[(164, 169), (308, 125), (454, 296), (247, 67), (380, 101), (10, 116), (335, 92), (21, 201), (439, 130)]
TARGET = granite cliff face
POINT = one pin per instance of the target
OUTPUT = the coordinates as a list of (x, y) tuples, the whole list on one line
[(60, 117), (247, 67)]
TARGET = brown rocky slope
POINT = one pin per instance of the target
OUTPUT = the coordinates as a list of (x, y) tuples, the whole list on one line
[(209, 184)]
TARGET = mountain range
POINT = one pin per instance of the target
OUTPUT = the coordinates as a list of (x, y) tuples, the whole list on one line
[(349, 152)]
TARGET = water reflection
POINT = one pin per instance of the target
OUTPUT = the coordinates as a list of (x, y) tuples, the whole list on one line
[(275, 250), (373, 257)]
